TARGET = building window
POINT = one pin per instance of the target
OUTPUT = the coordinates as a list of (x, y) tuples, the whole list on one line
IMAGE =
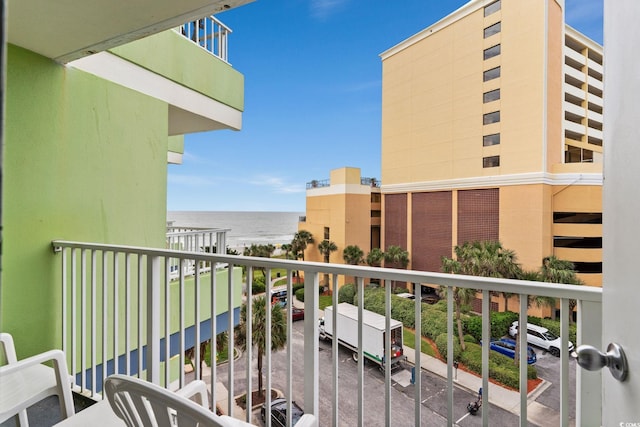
[(489, 140), (491, 52), (492, 8), (492, 95), (491, 74), (489, 118), (376, 214), (326, 233), (577, 217), (491, 162), (577, 242), (376, 198), (588, 267), (493, 29)]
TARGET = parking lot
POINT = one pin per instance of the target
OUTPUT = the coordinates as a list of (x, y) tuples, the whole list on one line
[(434, 393)]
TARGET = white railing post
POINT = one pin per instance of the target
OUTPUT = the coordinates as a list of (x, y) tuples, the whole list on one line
[(589, 383), (311, 344), (153, 319)]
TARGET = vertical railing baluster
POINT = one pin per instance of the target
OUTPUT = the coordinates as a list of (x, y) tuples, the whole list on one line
[(140, 317), (83, 318), (267, 340), (74, 313), (94, 319), (289, 306), (360, 294), (522, 337), (418, 353), (181, 324), (334, 351), (450, 335), (105, 317), (65, 308), (116, 313), (230, 336), (128, 349), (486, 338), (196, 320), (214, 333), (387, 353), (167, 321), (153, 319), (249, 338), (311, 345), (564, 362)]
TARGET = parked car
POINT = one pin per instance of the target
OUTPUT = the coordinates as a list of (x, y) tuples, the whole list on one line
[(297, 313), (540, 337), (507, 346), (406, 295), (279, 412)]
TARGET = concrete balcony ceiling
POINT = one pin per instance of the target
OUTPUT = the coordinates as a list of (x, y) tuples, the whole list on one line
[(66, 30)]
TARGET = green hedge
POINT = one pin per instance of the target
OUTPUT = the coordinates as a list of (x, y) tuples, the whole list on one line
[(500, 322), (441, 343), (501, 367), (300, 293), (257, 285), (347, 293)]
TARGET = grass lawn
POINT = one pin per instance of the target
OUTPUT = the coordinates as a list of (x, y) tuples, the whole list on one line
[(325, 301), (410, 341)]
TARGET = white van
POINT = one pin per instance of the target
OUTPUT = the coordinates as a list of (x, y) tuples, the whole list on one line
[(540, 337)]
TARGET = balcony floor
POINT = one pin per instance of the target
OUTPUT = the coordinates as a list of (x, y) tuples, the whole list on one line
[(46, 413)]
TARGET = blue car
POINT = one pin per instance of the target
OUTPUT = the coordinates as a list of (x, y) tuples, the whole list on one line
[(507, 346)]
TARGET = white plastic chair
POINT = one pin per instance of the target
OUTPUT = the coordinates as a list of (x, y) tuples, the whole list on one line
[(141, 403), (26, 382)]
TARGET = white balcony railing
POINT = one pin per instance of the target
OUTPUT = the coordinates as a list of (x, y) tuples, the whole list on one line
[(210, 34), (116, 314)]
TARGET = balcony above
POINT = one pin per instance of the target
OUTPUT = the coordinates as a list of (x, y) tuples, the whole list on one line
[(65, 31)]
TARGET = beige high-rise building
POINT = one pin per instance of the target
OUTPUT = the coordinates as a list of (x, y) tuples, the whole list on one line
[(492, 130), (345, 209)]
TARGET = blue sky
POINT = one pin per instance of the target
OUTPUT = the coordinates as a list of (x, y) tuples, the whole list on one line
[(312, 98)]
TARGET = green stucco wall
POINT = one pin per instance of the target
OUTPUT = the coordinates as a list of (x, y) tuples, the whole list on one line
[(85, 160), (176, 144), (187, 64)]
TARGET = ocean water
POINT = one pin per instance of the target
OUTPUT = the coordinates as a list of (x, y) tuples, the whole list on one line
[(245, 228)]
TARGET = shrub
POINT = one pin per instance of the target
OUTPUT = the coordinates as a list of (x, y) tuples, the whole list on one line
[(441, 343), (257, 286), (434, 323), (469, 338), (347, 293), (300, 294), (500, 322), (297, 286), (501, 367)]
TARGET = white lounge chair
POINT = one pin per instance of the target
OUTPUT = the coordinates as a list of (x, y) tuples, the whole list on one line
[(26, 382)]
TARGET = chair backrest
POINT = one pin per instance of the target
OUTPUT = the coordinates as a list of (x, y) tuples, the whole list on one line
[(141, 403)]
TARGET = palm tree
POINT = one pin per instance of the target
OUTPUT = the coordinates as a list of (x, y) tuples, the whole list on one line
[(461, 296), (555, 270), (287, 248), (353, 255), (259, 331), (326, 247), (300, 241), (479, 258), (395, 256), (374, 257)]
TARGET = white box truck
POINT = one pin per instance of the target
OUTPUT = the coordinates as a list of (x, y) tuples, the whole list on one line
[(373, 333)]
